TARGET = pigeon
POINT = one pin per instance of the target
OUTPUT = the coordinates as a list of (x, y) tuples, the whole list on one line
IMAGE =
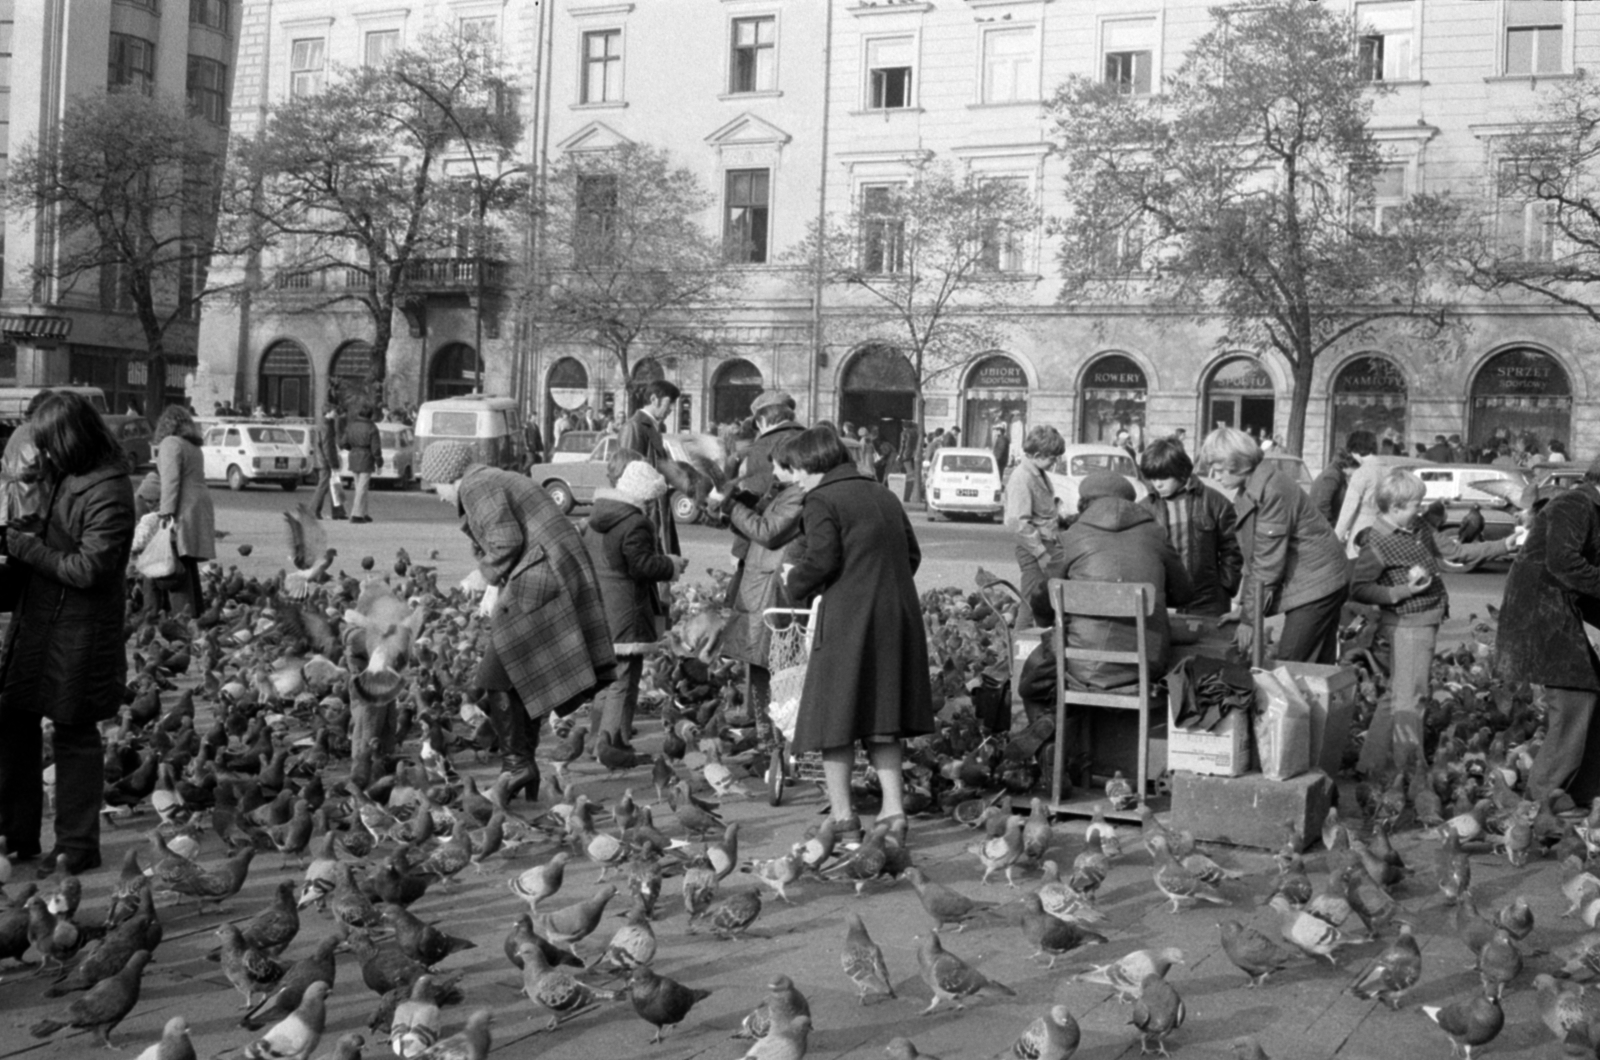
[(522, 931), (780, 872), (297, 1034), (1127, 974), (1452, 868), (106, 1004), (1566, 1007), (348, 1047), (1052, 936), (557, 992), (783, 1002), (783, 1043), (633, 945), (541, 881), (250, 970), (571, 925), (660, 1001), (1053, 1036), (415, 1025), (1469, 1023), (421, 941), (863, 962), (906, 1049), (1036, 833), (944, 904), (1252, 952), (1158, 1012), (1179, 884), (1499, 962), (951, 978), (1315, 937), (272, 929), (471, 1043), (318, 967), (1001, 853), (174, 1043), (735, 913), (1394, 972)]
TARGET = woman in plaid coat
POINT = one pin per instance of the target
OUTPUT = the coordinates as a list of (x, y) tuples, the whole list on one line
[(549, 645)]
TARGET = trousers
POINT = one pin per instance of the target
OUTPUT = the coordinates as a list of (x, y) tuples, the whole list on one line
[(1567, 739), (327, 486), (1396, 730), (80, 779), (358, 504), (1311, 631), (617, 700)]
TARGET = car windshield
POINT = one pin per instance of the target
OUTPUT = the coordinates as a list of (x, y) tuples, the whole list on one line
[(575, 442), (271, 435), (455, 424), (971, 463), (1091, 462)]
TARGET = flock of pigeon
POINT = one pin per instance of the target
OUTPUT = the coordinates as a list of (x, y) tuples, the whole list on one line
[(237, 747)]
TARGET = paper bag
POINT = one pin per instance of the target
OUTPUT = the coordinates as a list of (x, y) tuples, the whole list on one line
[(1283, 725)]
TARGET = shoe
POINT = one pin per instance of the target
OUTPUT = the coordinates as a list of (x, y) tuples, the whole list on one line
[(339, 515), (78, 862), (360, 519), (848, 830), (1028, 742)]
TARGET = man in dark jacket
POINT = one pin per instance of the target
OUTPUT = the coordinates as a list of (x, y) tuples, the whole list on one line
[(1115, 539), (1199, 524), (642, 433), (325, 457), (1440, 452), (1552, 591), (361, 437)]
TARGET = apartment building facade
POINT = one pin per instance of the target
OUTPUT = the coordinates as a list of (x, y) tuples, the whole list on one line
[(52, 51), (791, 110)]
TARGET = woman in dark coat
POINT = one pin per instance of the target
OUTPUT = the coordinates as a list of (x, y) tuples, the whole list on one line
[(365, 443), (65, 651), (867, 678), (1553, 589)]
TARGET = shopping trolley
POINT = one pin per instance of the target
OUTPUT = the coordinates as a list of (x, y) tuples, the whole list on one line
[(789, 655)]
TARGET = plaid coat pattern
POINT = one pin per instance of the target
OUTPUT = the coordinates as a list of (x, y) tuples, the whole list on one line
[(549, 628)]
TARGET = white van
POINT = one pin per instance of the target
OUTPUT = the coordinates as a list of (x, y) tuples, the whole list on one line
[(491, 425)]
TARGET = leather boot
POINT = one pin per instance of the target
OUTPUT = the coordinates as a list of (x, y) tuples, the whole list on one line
[(515, 733)]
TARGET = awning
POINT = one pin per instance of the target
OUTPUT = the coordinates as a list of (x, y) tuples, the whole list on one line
[(28, 326)]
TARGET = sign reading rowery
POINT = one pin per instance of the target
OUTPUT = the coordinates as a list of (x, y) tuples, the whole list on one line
[(1522, 372), (1115, 372), (998, 373)]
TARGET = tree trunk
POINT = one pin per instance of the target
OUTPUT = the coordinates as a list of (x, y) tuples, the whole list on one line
[(1299, 400), (378, 370), (155, 384)]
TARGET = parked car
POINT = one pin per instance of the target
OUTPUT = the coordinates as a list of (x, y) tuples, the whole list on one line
[(240, 453), (1553, 478), (573, 446), (398, 468), (1479, 500), (305, 438), (964, 482), (491, 425), (1081, 460), (130, 429), (573, 482)]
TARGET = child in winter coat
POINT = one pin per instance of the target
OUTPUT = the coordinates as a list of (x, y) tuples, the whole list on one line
[(629, 563), (1398, 572)]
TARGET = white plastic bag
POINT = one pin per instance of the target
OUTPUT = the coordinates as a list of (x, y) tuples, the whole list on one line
[(1283, 725)]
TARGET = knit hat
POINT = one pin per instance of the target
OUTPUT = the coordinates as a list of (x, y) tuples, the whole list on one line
[(640, 484), (445, 461), (1099, 484), (768, 398)]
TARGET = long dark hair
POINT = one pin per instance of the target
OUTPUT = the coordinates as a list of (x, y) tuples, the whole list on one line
[(73, 437)]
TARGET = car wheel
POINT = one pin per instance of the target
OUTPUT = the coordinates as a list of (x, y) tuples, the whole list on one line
[(1451, 534), (933, 516), (408, 479), (289, 486), (561, 493), (685, 509), (236, 479)]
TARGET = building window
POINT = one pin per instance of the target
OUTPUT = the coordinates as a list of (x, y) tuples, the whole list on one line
[(1120, 248), (1534, 31), (133, 63), (1000, 247), (1525, 224), (594, 242), (602, 66), (208, 90), (211, 13), (889, 64), (1386, 42), (1128, 48), (1010, 65), (1388, 196), (744, 227), (307, 66), (754, 66), (480, 27), (378, 46), (883, 230)]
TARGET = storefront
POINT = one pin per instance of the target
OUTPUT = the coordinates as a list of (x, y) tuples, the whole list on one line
[(733, 388), (996, 392), (1369, 394), (1114, 389), (566, 389), (878, 389), (648, 370), (352, 372), (1239, 394), (455, 371), (1521, 392), (285, 388)]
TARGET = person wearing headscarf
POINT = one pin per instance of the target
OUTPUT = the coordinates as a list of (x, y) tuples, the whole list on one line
[(548, 646)]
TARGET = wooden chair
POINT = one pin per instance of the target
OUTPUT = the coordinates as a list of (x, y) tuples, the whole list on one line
[(1126, 600)]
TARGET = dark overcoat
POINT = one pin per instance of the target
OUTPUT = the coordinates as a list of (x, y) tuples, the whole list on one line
[(1553, 589), (629, 563), (65, 654), (868, 670), (549, 627), (365, 444), (642, 434)]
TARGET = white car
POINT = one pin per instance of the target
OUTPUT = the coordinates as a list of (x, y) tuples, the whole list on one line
[(1081, 460), (242, 453), (964, 482)]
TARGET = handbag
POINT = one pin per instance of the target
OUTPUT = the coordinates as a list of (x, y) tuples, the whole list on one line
[(159, 557)]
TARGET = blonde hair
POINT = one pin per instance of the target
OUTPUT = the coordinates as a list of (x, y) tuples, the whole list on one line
[(1233, 449), (1400, 486)]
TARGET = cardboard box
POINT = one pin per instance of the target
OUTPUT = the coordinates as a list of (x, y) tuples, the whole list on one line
[(1220, 752), (1331, 691)]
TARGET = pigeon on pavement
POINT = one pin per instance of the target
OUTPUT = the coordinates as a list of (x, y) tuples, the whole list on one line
[(951, 978), (1394, 972), (1126, 975), (863, 962), (1252, 952), (1158, 1012), (1470, 1023), (944, 904), (106, 1004), (661, 1001), (297, 1034), (1051, 936), (174, 1043), (1053, 1036)]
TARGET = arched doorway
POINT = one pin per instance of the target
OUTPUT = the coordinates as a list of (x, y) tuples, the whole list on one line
[(648, 370), (1369, 394), (352, 373), (1114, 390), (285, 387), (996, 393), (1521, 392), (454, 372), (1239, 394), (733, 388), (879, 389), (566, 389)]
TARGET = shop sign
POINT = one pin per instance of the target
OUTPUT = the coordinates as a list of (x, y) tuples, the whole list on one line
[(1114, 373), (998, 373), (1521, 372), (1370, 375), (1242, 373)]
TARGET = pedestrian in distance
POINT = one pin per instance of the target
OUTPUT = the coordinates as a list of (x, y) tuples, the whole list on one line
[(365, 445), (1360, 506), (642, 433), (325, 458), (185, 507)]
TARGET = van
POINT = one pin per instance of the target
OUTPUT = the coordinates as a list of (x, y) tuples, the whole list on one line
[(132, 432), (491, 425), (964, 482)]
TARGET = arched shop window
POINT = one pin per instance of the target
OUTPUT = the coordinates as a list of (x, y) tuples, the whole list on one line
[(1369, 394), (1520, 393), (996, 393), (878, 389), (734, 387), (352, 372), (455, 371), (285, 386), (1114, 389), (1239, 394)]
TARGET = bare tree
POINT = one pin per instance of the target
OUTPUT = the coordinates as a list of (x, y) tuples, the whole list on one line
[(126, 186), (1242, 193)]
